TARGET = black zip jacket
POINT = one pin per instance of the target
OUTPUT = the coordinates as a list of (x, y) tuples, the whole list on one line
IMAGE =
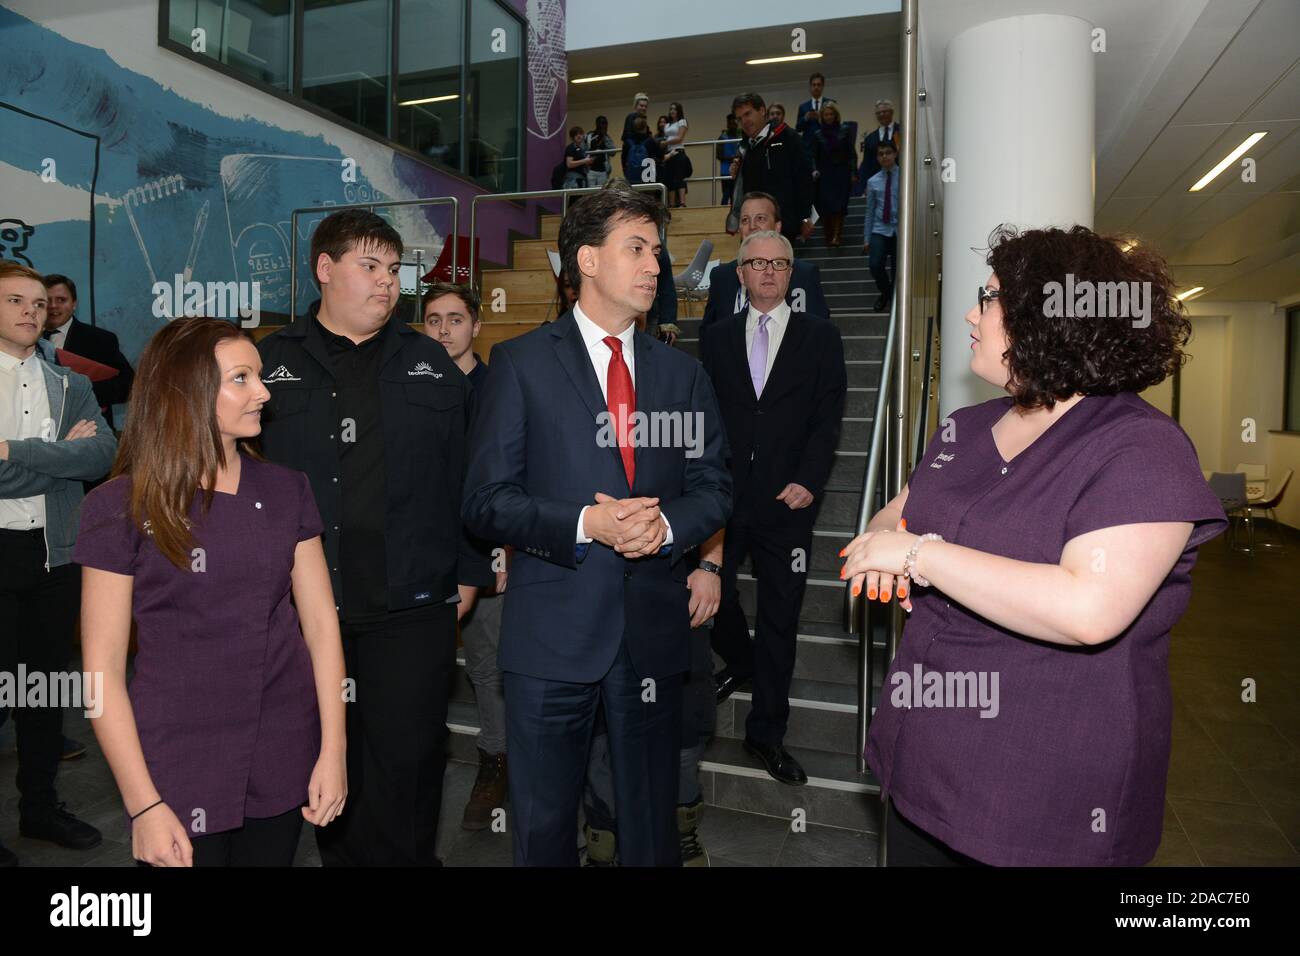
[(425, 404)]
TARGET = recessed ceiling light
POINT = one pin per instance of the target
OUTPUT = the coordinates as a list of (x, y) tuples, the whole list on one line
[(785, 59), (1190, 292), (601, 79), (1227, 161), (430, 99), (1131, 244)]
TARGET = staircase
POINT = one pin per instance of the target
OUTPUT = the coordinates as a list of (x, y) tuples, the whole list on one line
[(822, 733), (823, 730)]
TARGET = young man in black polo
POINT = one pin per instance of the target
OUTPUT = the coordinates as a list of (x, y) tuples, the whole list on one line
[(376, 414)]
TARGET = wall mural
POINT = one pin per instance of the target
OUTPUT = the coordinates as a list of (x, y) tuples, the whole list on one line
[(110, 177)]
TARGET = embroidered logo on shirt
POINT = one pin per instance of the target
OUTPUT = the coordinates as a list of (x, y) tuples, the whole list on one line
[(424, 368), (941, 457), (281, 374)]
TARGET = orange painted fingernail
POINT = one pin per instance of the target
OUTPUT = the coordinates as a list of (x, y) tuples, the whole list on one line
[(843, 551), (871, 595), (857, 589), (902, 593), (902, 523), (844, 573), (884, 597)]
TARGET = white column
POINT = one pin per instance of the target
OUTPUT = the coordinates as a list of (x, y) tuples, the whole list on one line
[(1018, 130)]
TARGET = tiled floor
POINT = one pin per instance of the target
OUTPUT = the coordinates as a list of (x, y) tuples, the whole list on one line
[(1234, 779)]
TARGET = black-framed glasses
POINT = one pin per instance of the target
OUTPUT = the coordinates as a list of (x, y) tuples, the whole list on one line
[(985, 294), (760, 265)]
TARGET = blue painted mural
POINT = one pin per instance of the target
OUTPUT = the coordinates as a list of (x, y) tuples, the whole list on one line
[(111, 177)]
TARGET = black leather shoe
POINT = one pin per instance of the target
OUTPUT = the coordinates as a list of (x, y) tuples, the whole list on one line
[(7, 857), (59, 826), (727, 684), (778, 762)]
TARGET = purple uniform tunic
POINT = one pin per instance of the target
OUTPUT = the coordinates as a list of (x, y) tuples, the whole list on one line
[(1071, 769), (223, 691)]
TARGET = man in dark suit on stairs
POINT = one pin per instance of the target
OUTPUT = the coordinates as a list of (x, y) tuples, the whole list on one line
[(604, 512), (727, 297), (69, 333), (781, 383)]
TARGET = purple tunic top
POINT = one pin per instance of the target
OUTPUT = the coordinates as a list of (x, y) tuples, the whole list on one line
[(223, 691), (1069, 769)]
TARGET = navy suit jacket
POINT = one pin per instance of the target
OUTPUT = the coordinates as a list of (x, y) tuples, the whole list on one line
[(536, 460), (724, 283)]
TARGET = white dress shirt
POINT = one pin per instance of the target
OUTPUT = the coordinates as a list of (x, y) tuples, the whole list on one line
[(778, 321), (593, 336), (24, 412)]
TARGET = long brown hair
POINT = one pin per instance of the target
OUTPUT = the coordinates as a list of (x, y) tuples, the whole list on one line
[(171, 446)]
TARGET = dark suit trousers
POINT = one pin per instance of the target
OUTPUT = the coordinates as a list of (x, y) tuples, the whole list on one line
[(39, 612), (769, 657), (397, 742), (549, 727)]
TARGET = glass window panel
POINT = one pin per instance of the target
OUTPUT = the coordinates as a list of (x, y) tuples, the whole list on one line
[(496, 55), (428, 87), (250, 36), (345, 61)]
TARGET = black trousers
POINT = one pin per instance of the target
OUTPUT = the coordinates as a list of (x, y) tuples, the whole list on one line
[(909, 845), (261, 841), (769, 657), (38, 616), (397, 742), (549, 727)]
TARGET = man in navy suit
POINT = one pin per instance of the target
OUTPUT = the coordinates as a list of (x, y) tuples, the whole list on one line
[(603, 511), (810, 110), (759, 212), (886, 131)]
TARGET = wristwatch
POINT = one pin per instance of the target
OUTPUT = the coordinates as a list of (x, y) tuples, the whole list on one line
[(710, 567)]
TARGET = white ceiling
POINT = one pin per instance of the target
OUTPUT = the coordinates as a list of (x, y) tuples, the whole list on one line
[(1181, 84)]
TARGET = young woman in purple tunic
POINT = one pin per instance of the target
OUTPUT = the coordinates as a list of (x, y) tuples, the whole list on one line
[(1043, 547), (233, 730)]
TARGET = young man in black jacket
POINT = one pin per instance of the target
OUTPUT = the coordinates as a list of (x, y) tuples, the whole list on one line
[(772, 159), (376, 414)]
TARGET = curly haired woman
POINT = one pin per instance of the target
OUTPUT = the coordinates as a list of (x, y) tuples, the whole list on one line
[(1044, 547)]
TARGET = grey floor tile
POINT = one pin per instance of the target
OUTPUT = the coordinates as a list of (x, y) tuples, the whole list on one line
[(744, 837), (1230, 835), (828, 846)]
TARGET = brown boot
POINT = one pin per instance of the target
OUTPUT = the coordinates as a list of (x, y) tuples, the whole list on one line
[(489, 793)]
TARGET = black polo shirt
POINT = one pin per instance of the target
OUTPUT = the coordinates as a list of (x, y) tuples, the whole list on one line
[(360, 440)]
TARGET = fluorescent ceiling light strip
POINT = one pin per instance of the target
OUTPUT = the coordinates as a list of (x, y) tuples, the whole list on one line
[(430, 99), (1227, 161), (611, 76), (1190, 292), (785, 59)]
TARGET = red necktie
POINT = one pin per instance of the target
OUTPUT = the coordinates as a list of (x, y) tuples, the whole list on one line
[(888, 173), (621, 399)]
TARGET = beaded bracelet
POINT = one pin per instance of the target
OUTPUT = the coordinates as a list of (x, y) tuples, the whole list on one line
[(909, 562)]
